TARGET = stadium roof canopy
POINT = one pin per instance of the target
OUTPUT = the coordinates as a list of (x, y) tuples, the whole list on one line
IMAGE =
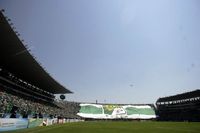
[(15, 58), (187, 95)]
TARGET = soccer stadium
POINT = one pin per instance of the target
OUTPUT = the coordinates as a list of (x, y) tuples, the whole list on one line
[(28, 102)]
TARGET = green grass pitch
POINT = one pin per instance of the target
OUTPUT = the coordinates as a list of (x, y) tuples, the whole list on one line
[(117, 127)]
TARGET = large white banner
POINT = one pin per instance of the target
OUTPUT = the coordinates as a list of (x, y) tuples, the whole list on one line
[(98, 111)]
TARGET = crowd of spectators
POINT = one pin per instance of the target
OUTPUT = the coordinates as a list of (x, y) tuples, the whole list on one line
[(10, 104), (69, 109)]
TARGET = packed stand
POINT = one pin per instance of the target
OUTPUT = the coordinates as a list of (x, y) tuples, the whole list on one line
[(12, 104), (69, 109)]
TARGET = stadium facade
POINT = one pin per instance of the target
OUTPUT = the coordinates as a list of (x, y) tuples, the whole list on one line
[(181, 107)]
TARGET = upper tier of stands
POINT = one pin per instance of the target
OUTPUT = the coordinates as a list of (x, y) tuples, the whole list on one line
[(16, 59), (180, 98)]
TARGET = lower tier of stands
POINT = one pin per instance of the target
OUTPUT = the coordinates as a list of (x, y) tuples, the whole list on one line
[(189, 111), (16, 106)]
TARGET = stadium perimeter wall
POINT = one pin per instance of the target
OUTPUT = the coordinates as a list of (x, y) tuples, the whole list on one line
[(8, 124)]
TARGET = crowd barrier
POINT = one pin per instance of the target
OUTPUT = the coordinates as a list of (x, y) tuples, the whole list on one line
[(8, 124)]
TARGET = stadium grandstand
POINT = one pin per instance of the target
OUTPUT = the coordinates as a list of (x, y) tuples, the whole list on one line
[(181, 107), (25, 86), (27, 94)]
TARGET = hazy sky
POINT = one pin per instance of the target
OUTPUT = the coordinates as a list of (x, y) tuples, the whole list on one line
[(114, 51)]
